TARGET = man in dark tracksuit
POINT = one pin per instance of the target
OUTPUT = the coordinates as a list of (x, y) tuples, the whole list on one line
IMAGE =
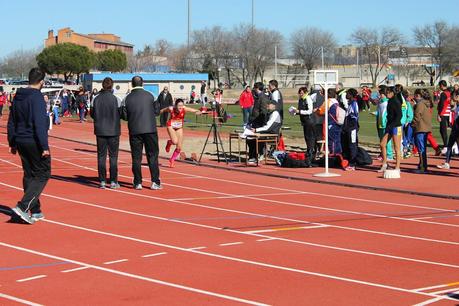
[(140, 109), (164, 100), (28, 135), (106, 111), (259, 115)]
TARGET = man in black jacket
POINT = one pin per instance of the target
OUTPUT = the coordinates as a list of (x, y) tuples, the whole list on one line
[(28, 135), (140, 109), (259, 115), (106, 112), (164, 100)]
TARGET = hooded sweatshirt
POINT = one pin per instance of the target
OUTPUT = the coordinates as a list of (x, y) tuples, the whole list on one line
[(28, 121)]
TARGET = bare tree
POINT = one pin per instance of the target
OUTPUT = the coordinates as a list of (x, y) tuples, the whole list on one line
[(307, 44), (19, 62), (375, 45), (451, 51), (163, 47), (433, 36)]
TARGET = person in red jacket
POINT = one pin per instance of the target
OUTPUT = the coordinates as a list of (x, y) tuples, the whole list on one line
[(2, 102), (444, 111), (246, 102)]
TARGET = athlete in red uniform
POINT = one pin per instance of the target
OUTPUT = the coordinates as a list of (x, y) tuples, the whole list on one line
[(175, 127)]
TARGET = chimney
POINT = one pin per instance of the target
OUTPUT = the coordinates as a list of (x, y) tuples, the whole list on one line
[(50, 33)]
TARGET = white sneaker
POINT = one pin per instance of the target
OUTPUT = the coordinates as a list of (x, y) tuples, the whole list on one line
[(444, 166), (155, 186), (138, 187)]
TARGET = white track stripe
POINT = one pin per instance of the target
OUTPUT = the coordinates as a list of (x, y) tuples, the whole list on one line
[(265, 237), (31, 278), (452, 290), (10, 163), (275, 230), (230, 244), (115, 261), (197, 248), (134, 276), (229, 258), (430, 301), (15, 299), (153, 255), (74, 270)]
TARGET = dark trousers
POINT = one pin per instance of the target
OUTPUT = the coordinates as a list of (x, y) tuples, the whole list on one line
[(421, 144), (350, 144), (444, 122), (37, 171), (309, 134), (334, 140), (318, 134), (112, 145), (137, 142), (453, 137), (163, 118)]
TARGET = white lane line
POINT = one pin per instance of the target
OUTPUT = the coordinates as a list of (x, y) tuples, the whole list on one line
[(114, 261), (273, 230), (74, 270), (10, 163), (197, 248), (452, 290), (16, 299), (134, 276), (155, 254), (235, 259), (256, 235), (235, 196), (231, 243), (31, 278), (430, 301), (266, 239), (422, 218)]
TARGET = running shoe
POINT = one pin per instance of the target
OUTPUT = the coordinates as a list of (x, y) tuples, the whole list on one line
[(444, 166), (168, 146), (171, 164), (138, 187), (22, 214), (102, 185), (155, 186), (349, 168), (114, 185), (37, 217)]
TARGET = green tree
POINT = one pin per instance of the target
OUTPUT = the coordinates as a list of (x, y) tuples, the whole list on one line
[(67, 59), (111, 60)]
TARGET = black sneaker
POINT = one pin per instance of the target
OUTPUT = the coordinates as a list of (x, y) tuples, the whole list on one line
[(22, 214)]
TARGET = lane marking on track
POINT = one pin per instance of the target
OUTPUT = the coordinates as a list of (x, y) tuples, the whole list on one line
[(153, 255), (273, 230), (255, 235), (450, 290), (235, 196), (134, 276), (266, 239), (74, 270), (30, 278), (197, 248), (437, 286), (115, 261), (10, 163), (16, 299), (230, 243), (229, 258), (430, 301)]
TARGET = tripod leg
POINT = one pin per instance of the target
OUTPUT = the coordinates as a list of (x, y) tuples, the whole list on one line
[(205, 144), (221, 144)]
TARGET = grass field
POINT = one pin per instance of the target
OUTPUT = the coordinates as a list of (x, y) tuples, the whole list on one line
[(367, 133)]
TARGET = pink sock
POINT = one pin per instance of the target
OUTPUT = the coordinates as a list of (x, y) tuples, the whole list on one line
[(175, 155)]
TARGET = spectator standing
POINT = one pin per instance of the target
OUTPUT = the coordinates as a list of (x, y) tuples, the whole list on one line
[(276, 96), (341, 95), (393, 129), (259, 115), (366, 95), (350, 140), (246, 102), (334, 126), (318, 98), (106, 112), (305, 109), (81, 101), (140, 109), (422, 125), (203, 93), (28, 135), (164, 100), (2, 102), (444, 110)]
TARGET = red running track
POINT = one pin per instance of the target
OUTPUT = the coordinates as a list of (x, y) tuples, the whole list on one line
[(213, 237)]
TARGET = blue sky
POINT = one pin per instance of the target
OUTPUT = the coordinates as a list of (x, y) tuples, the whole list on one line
[(25, 22)]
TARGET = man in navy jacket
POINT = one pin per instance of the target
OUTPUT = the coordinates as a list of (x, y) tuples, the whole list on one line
[(28, 135)]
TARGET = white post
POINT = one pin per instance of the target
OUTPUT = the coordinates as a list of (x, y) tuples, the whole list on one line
[(326, 129), (275, 62)]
